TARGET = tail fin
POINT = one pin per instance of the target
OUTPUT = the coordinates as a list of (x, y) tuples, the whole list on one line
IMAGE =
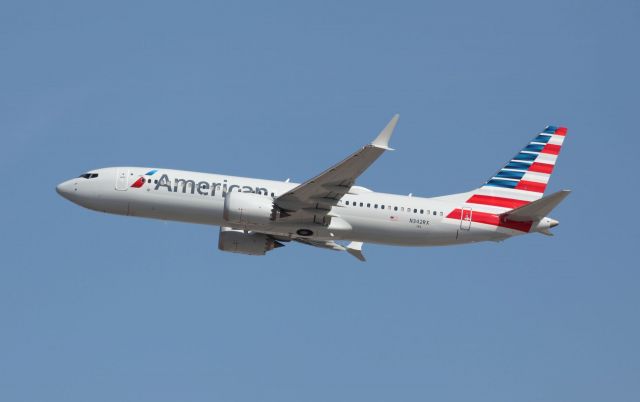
[(524, 178)]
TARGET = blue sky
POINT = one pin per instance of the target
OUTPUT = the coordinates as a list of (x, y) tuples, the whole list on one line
[(103, 308)]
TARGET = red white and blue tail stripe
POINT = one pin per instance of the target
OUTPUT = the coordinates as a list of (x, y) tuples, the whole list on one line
[(524, 178)]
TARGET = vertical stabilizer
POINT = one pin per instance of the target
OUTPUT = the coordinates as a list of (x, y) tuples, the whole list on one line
[(520, 182), (524, 178)]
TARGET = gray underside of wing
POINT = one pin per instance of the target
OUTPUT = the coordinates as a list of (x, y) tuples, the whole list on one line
[(318, 195), (313, 199)]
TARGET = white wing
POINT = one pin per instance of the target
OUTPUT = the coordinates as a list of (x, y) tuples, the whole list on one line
[(312, 200)]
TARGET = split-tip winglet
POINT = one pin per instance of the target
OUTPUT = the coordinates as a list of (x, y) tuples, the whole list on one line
[(382, 140), (355, 249)]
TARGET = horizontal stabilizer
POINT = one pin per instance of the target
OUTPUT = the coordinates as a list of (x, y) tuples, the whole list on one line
[(537, 210)]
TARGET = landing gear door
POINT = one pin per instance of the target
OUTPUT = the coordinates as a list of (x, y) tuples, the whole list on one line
[(122, 177), (465, 219)]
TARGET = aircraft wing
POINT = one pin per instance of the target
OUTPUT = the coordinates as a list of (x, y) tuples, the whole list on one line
[(312, 200)]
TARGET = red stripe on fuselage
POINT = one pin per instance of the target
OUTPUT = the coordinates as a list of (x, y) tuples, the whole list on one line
[(492, 219), (496, 201)]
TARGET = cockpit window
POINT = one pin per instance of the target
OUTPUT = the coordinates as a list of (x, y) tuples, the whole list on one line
[(89, 175)]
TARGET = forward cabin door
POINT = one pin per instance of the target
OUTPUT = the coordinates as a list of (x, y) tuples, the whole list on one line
[(465, 219), (122, 176)]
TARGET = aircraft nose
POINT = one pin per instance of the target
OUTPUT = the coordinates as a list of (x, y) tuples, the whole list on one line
[(66, 189)]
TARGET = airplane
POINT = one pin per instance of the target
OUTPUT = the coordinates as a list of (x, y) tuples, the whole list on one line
[(256, 216)]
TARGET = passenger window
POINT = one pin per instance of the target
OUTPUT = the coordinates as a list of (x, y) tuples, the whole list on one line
[(415, 211), (381, 206), (434, 213), (395, 208), (375, 206), (361, 204), (368, 205), (347, 202), (422, 211)]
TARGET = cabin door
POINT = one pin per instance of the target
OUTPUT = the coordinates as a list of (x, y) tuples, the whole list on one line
[(122, 177), (465, 219)]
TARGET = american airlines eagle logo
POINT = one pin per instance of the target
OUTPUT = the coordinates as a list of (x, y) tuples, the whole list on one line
[(140, 182)]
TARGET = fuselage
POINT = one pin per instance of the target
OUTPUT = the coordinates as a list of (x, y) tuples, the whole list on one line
[(361, 215), (256, 215)]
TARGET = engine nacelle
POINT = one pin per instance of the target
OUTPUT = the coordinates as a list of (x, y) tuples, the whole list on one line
[(247, 209), (251, 243)]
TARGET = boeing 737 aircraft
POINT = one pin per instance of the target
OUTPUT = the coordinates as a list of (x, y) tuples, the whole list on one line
[(256, 216)]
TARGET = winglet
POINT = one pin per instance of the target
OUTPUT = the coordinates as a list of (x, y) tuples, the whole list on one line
[(355, 249), (382, 140)]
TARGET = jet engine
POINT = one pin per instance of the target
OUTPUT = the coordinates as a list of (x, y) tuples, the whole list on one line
[(247, 209), (251, 243)]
